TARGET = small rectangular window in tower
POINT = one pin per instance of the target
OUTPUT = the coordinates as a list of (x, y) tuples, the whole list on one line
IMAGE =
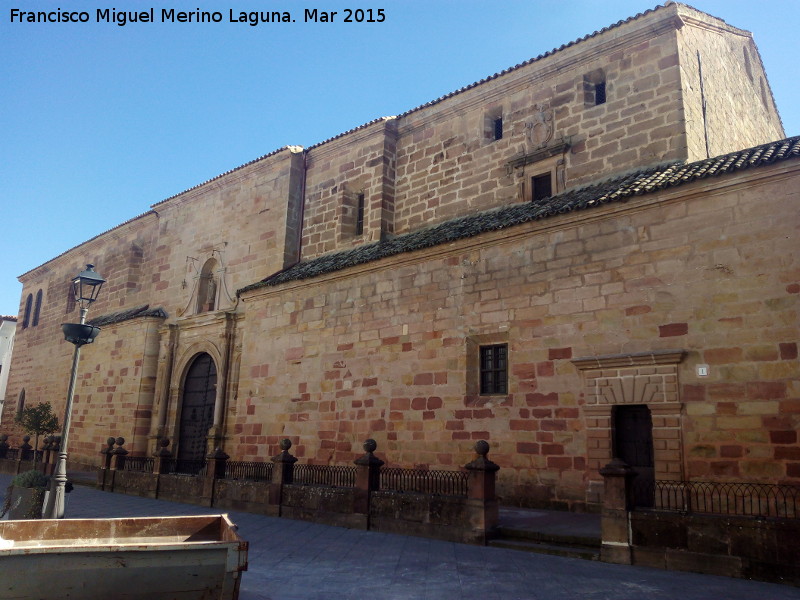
[(498, 128), (360, 215), (600, 93), (541, 187), (494, 369)]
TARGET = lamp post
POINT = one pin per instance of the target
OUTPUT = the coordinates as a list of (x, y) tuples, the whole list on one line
[(85, 287)]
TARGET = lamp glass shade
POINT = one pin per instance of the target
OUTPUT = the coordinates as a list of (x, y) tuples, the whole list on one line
[(86, 286)]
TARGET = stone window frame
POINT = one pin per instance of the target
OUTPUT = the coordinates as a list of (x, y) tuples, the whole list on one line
[(26, 319), (595, 88), (492, 118), (473, 396), (553, 165), (37, 309), (21, 401), (352, 210), (647, 378), (70, 299)]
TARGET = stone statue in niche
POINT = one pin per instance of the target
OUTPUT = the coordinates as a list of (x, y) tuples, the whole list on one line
[(539, 131)]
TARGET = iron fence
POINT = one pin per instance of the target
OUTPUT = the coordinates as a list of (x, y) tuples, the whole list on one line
[(721, 498), (251, 471), (441, 483), (331, 475), (138, 464), (181, 466), (12, 453)]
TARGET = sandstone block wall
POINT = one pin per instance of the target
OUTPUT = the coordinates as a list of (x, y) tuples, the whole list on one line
[(383, 352), (389, 350), (42, 361), (731, 69), (241, 221)]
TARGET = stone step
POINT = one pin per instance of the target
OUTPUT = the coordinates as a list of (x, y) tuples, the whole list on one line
[(586, 553), (557, 539)]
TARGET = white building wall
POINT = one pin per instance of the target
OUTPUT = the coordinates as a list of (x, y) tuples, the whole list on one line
[(8, 325)]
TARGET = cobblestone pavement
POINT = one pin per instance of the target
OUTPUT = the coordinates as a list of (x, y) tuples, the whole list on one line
[(298, 560)]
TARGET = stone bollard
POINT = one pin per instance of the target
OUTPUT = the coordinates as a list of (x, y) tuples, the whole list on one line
[(617, 503), (105, 463), (161, 464), (215, 469), (368, 479), (44, 455), (118, 455), (55, 448), (25, 450), (282, 473), (481, 497)]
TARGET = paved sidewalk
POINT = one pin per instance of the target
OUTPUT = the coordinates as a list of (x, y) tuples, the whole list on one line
[(298, 560)]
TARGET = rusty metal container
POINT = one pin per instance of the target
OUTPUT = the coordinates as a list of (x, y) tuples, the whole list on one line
[(138, 558)]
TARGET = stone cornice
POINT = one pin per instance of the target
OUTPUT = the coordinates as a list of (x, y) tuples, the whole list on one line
[(88, 246), (612, 361), (234, 176), (564, 59)]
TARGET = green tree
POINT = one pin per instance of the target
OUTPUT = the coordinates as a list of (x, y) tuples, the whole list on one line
[(38, 420)]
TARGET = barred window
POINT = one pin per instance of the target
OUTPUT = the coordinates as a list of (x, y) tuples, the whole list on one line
[(494, 369)]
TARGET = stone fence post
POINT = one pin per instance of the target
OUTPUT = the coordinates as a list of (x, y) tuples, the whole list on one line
[(105, 463), (47, 444), (25, 450), (215, 469), (161, 457), (118, 455), (368, 479), (116, 462), (481, 498), (617, 503), (4, 445), (282, 473)]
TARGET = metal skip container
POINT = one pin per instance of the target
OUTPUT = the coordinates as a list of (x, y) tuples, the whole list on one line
[(149, 558)]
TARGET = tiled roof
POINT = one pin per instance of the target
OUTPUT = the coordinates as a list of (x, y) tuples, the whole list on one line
[(8, 318), (127, 315), (613, 190)]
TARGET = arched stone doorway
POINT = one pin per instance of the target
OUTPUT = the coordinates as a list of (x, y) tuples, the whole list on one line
[(197, 411)]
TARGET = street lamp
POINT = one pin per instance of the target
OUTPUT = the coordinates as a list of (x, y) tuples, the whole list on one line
[(85, 287)]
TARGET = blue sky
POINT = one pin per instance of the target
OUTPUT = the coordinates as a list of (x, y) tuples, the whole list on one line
[(99, 121)]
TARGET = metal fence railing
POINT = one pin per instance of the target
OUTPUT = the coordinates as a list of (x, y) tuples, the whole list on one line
[(437, 482), (331, 475), (138, 464), (248, 470), (722, 498)]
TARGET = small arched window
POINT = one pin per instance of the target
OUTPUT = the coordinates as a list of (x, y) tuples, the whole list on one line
[(70, 299), (26, 320), (207, 287), (21, 401), (37, 309)]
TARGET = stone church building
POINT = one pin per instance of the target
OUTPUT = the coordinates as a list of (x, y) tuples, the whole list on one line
[(592, 253)]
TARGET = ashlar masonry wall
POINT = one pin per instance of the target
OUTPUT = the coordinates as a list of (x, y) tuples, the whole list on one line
[(41, 365), (449, 163), (731, 69), (246, 222), (384, 350)]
